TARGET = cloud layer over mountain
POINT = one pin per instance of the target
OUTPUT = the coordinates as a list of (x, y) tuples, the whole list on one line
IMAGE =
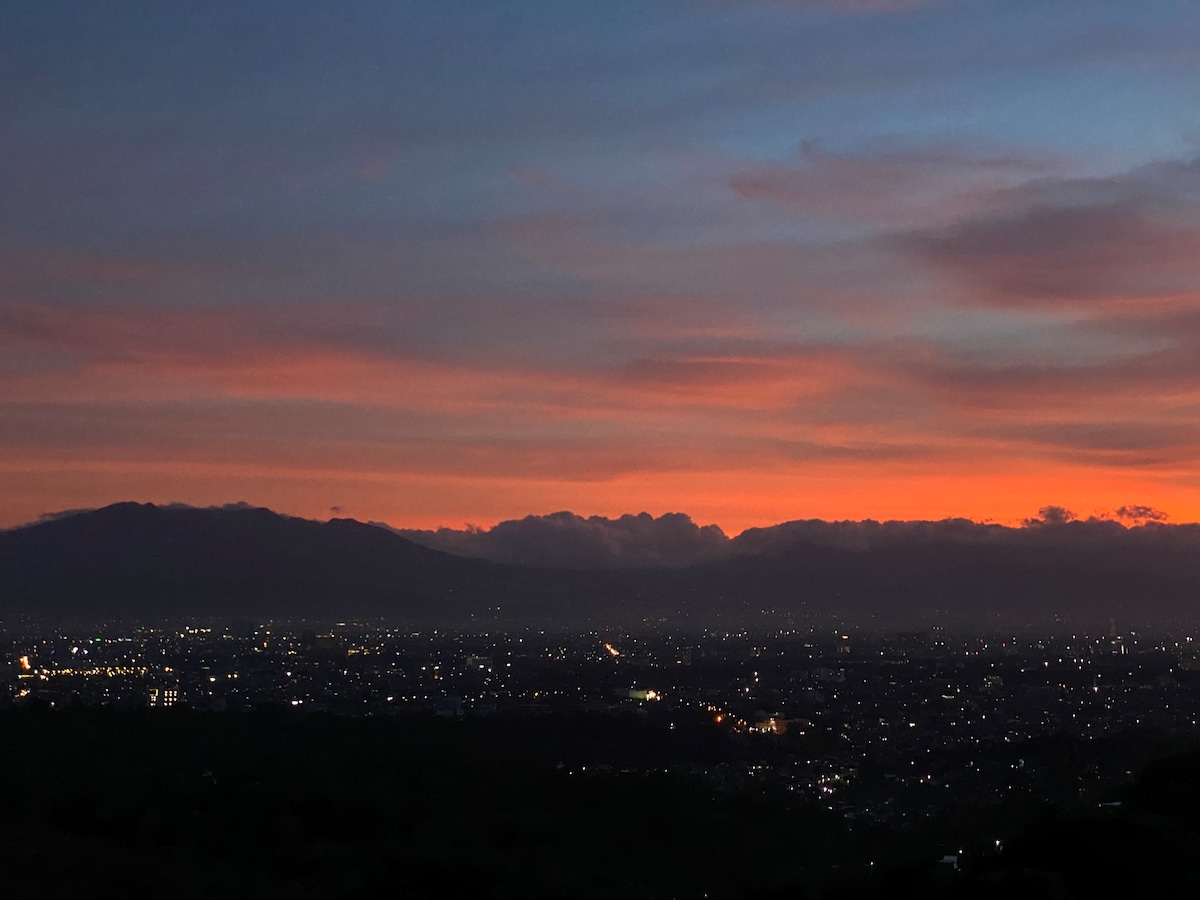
[(565, 540)]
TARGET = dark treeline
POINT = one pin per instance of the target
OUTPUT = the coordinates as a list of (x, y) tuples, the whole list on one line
[(273, 804), (269, 804)]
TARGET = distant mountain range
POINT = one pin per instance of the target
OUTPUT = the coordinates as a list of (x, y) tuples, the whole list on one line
[(143, 561)]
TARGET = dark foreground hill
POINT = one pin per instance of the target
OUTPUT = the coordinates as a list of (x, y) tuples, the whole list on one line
[(274, 804), (132, 560), (196, 805)]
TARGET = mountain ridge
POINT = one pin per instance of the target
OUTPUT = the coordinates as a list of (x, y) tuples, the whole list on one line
[(133, 559)]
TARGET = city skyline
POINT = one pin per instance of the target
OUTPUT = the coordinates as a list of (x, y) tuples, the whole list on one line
[(756, 262)]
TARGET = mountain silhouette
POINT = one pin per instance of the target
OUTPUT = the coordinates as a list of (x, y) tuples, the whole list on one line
[(134, 560)]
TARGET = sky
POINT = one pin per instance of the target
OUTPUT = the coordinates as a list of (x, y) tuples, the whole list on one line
[(441, 262)]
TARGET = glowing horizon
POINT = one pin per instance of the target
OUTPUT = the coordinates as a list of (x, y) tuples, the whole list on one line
[(274, 490)]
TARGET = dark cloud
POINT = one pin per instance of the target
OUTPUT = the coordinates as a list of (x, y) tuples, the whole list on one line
[(983, 384), (1141, 514), (1116, 443), (565, 540), (1051, 515), (1064, 241)]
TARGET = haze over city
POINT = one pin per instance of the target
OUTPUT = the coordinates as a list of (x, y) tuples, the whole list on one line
[(437, 264)]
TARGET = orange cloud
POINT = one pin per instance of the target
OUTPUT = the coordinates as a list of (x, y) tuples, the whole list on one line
[(201, 389), (734, 497)]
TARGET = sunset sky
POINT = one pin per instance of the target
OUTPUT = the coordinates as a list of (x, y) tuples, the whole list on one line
[(442, 262)]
